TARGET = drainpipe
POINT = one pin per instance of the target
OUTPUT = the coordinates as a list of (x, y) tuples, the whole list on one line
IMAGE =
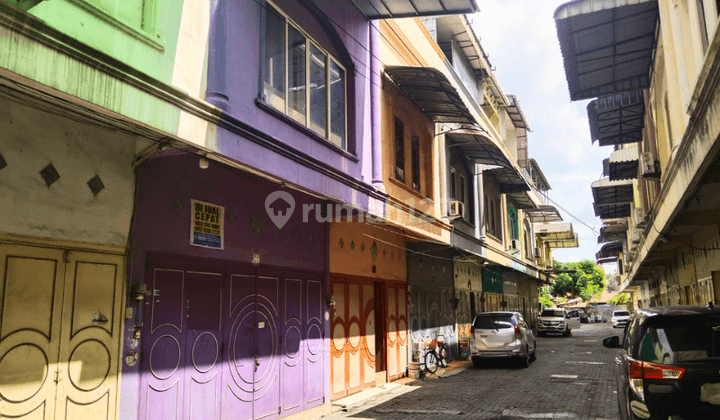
[(216, 92), (375, 98)]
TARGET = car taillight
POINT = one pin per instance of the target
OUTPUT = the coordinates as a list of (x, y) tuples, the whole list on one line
[(518, 333), (645, 370), (472, 330)]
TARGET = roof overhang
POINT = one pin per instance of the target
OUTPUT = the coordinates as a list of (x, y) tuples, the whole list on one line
[(388, 9), (431, 90), (612, 211), (607, 45), (554, 231), (607, 260), (516, 114), (617, 119), (606, 192), (544, 214), (523, 200), (610, 249), (478, 148), (623, 164), (613, 231), (564, 243), (538, 176), (508, 180)]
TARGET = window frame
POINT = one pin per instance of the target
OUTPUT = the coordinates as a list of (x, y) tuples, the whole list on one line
[(399, 147), (415, 162), (329, 60)]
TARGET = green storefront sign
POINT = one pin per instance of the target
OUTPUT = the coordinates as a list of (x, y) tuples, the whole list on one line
[(491, 282)]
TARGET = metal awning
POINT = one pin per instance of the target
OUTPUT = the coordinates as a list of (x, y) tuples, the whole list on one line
[(607, 192), (607, 260), (516, 114), (554, 231), (544, 214), (607, 46), (387, 9), (612, 211), (478, 148), (508, 180), (610, 249), (564, 243), (617, 119), (522, 200), (537, 176), (613, 231), (432, 92), (623, 164)]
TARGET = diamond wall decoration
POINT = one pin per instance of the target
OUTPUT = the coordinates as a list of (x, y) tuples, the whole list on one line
[(96, 185), (2, 162), (49, 174)]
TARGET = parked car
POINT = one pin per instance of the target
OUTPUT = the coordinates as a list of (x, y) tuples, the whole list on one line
[(669, 365), (502, 334), (584, 319), (557, 320), (620, 318)]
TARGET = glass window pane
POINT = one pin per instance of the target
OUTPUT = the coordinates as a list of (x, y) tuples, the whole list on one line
[(318, 92), (297, 103), (337, 105), (274, 65), (399, 151), (415, 146)]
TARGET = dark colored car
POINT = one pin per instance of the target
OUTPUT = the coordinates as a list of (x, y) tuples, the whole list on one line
[(669, 364)]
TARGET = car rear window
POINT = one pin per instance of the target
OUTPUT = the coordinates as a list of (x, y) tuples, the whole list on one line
[(681, 341), (493, 322), (621, 313), (552, 312)]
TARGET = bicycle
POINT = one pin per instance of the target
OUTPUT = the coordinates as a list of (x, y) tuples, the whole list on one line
[(436, 355)]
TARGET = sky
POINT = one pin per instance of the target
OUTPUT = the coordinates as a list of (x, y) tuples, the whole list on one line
[(521, 40)]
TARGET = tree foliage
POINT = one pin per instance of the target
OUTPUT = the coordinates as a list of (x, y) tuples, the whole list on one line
[(588, 281), (620, 299), (545, 299)]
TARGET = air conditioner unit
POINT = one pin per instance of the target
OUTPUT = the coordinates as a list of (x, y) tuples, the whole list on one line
[(456, 209), (514, 244), (640, 220), (636, 236), (537, 254), (650, 167)]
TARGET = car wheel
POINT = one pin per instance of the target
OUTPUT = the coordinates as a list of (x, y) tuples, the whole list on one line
[(533, 356), (541, 334), (478, 363), (569, 332), (566, 332), (525, 361)]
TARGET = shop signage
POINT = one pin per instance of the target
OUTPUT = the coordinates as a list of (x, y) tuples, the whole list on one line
[(206, 226), (491, 282)]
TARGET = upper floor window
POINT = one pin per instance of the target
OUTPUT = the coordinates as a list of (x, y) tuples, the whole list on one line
[(302, 80), (513, 222), (453, 188), (415, 155), (399, 150), (527, 238)]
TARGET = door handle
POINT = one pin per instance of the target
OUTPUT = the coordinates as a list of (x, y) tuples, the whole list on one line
[(257, 361)]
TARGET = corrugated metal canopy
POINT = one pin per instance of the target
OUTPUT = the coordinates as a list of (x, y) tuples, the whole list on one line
[(613, 231), (607, 45), (612, 192), (610, 249), (623, 164), (538, 176), (508, 180), (612, 211), (617, 119), (564, 243), (522, 200), (554, 231), (432, 92), (387, 9), (516, 114), (478, 148), (544, 214)]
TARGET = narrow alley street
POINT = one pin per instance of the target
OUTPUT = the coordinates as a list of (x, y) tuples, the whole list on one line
[(571, 379)]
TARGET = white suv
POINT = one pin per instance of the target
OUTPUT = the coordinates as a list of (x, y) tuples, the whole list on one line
[(556, 320), (620, 318), (502, 334)]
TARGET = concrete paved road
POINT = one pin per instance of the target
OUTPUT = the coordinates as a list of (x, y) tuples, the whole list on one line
[(585, 389)]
